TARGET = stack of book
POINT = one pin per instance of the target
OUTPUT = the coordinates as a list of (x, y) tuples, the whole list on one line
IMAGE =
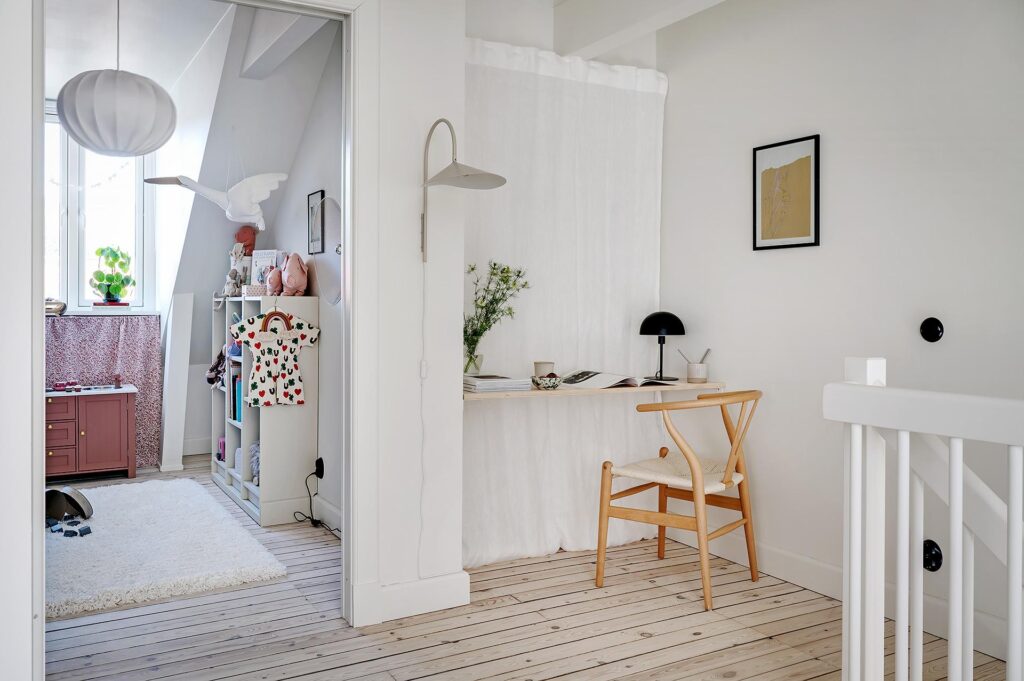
[(494, 384)]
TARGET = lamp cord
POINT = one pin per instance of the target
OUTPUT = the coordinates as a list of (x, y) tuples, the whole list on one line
[(117, 36)]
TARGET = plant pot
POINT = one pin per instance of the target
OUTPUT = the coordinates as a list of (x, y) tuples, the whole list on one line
[(472, 364), (108, 298)]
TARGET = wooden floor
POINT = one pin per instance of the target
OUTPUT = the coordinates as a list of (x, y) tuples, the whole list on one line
[(535, 618)]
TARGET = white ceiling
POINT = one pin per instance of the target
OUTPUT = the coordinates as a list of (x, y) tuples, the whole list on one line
[(158, 37)]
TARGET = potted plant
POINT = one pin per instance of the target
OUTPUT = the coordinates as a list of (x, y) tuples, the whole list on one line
[(492, 296), (116, 281)]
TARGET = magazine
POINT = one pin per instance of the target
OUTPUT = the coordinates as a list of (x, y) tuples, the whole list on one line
[(589, 380), (488, 383)]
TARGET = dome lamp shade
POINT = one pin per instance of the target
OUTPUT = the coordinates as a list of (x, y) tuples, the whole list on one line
[(116, 113), (662, 324)]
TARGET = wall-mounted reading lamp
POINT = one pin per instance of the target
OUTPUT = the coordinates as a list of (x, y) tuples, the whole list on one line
[(454, 174)]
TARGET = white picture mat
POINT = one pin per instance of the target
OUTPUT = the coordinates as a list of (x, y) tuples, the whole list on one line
[(775, 157)]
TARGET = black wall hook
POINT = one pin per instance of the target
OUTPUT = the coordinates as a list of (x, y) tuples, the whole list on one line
[(932, 330)]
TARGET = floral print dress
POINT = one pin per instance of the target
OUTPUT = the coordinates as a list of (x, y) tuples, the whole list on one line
[(275, 377)]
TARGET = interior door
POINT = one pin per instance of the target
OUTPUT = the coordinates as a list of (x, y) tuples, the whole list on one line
[(102, 433)]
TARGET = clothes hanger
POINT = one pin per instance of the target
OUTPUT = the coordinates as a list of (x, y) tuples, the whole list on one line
[(277, 314)]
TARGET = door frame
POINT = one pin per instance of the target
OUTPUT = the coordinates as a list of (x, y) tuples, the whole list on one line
[(22, 624)]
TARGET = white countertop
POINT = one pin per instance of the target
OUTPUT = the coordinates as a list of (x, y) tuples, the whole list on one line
[(94, 390)]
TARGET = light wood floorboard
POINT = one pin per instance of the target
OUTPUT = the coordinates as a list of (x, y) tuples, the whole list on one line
[(529, 619)]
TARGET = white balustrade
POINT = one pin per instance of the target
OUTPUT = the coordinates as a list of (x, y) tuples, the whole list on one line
[(874, 414)]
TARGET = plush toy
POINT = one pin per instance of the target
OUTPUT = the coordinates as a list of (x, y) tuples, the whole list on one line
[(274, 282), (246, 235), (233, 280), (294, 276)]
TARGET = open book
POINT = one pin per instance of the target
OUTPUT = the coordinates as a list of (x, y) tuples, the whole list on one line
[(581, 380)]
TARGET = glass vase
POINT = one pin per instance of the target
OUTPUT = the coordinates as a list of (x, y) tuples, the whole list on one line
[(472, 364)]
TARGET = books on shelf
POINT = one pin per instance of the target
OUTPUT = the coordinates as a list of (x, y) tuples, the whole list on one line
[(494, 384), (586, 379)]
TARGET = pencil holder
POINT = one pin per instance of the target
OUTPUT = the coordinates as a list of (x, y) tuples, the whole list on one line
[(696, 373)]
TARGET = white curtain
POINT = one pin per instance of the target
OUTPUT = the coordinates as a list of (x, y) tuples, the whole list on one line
[(580, 143)]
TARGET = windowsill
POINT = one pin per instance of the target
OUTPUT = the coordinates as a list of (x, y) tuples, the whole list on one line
[(109, 312)]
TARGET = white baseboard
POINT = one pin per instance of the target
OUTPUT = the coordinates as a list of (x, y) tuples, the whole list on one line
[(326, 511), (170, 468), (373, 603)]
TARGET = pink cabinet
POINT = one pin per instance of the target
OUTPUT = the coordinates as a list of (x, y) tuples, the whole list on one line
[(91, 433)]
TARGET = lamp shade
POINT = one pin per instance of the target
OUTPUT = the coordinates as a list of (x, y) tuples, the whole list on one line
[(662, 324), (467, 177), (116, 113)]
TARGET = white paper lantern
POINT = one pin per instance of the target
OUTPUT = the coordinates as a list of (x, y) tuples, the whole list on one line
[(116, 113)]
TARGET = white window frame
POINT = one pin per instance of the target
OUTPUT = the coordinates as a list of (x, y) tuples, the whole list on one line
[(74, 262)]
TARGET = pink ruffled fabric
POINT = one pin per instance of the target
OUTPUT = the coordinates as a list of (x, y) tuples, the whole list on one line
[(91, 349)]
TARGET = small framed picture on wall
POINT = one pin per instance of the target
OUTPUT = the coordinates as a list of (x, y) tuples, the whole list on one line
[(786, 194), (315, 220)]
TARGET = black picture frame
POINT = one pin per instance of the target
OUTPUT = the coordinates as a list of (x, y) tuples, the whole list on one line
[(315, 222), (814, 239)]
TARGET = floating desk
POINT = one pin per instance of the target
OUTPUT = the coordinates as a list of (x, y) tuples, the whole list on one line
[(532, 465), (570, 392)]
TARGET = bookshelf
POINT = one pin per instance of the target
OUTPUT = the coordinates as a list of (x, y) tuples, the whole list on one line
[(287, 433)]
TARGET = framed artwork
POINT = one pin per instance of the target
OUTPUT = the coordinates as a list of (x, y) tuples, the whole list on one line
[(315, 221), (786, 205)]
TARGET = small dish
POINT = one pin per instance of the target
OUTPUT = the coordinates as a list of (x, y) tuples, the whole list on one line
[(547, 382)]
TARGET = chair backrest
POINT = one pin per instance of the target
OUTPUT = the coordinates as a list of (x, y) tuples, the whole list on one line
[(737, 431)]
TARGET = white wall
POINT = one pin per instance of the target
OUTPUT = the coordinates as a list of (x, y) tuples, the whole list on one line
[(21, 181), (407, 516), (922, 161), (317, 165), (530, 23)]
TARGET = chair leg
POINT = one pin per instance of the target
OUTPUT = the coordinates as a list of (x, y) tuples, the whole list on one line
[(701, 511), (662, 508), (748, 529), (602, 523)]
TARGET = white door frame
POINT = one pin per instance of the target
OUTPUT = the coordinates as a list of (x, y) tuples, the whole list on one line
[(22, 618)]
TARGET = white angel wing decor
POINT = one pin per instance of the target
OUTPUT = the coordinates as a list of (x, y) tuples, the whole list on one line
[(241, 203)]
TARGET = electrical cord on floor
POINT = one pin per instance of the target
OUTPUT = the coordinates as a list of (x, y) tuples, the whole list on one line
[(302, 517)]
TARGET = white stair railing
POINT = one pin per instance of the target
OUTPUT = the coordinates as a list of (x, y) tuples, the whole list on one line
[(870, 410)]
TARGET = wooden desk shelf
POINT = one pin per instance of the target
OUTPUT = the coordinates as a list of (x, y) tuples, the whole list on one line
[(561, 392)]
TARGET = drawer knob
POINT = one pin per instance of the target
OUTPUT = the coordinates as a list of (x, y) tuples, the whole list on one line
[(49, 400), (49, 453), (82, 433), (49, 426)]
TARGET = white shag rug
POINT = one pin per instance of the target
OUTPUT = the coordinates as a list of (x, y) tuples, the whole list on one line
[(151, 540)]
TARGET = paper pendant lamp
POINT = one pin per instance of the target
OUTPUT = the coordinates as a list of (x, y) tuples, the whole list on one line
[(116, 113)]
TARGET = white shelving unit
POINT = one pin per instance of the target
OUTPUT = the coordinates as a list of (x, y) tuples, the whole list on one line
[(287, 433)]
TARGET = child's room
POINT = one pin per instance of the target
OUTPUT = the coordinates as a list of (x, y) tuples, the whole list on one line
[(193, 161)]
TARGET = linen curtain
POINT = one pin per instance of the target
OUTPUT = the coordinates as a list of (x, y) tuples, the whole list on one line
[(581, 144)]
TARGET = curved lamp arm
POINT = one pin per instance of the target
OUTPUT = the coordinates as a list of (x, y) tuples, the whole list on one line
[(426, 155)]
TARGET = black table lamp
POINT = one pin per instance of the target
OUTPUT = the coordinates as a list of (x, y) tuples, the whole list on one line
[(661, 324)]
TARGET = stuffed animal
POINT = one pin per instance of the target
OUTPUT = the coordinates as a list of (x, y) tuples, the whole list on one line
[(294, 276), (233, 280), (246, 235), (274, 282)]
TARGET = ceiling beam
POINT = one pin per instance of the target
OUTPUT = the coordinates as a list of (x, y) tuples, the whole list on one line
[(590, 28)]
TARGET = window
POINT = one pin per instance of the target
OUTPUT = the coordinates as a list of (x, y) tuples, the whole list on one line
[(91, 202)]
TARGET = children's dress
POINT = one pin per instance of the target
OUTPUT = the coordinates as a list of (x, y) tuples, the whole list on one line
[(275, 377)]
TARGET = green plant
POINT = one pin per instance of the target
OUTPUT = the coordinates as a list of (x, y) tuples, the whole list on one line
[(492, 296), (116, 281)]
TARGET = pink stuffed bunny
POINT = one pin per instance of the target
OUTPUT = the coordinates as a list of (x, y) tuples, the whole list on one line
[(274, 282), (294, 276)]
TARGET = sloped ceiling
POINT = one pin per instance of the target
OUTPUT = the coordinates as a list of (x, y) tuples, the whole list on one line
[(158, 37)]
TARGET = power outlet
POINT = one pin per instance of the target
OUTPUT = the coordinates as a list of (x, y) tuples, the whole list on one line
[(319, 470)]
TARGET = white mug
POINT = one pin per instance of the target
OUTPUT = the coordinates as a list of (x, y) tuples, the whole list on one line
[(696, 373), (543, 368)]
